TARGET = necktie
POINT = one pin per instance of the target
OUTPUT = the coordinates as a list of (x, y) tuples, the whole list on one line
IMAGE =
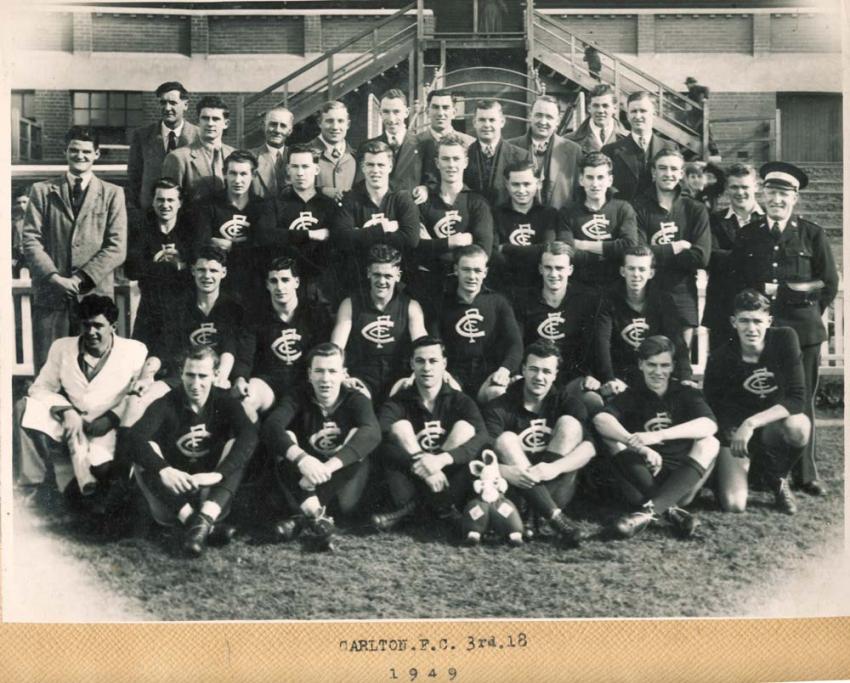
[(335, 153), (775, 231), (172, 141), (77, 195), (280, 166), (642, 143), (393, 143), (217, 165), (601, 136), (487, 150)]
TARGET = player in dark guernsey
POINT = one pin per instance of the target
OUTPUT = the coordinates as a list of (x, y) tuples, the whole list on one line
[(371, 214), (477, 325), (538, 435), (662, 436), (431, 433), (273, 347), (375, 329), (566, 316), (191, 448), (677, 230), (320, 443), (602, 228), (452, 216), (632, 310), (756, 386), (158, 255), (522, 228), (301, 228)]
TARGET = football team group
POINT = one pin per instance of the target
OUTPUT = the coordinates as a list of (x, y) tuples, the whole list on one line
[(352, 330)]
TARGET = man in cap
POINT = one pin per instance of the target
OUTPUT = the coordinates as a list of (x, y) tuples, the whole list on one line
[(789, 260)]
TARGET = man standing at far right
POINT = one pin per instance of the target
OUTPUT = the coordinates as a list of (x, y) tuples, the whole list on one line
[(789, 260)]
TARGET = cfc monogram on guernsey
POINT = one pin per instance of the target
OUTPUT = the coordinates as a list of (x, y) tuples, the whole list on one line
[(535, 437), (445, 227), (661, 421), (376, 219), (521, 235), (287, 346), (467, 326), (667, 231), (431, 436), (169, 249), (195, 443), (236, 228), (761, 383), (305, 221), (635, 332), (551, 327), (326, 441), (379, 331), (205, 335), (597, 228)]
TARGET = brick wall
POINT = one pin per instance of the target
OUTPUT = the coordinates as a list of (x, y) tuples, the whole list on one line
[(128, 33), (52, 31), (805, 33), (336, 30), (615, 33), (256, 34), (741, 104), (704, 33), (53, 112)]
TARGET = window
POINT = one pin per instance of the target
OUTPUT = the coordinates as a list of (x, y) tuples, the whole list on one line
[(108, 109), (24, 102), (29, 141)]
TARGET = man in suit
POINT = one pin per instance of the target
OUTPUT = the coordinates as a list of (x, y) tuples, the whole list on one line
[(555, 158), (407, 162), (74, 237), (441, 113), (602, 127), (337, 163), (150, 144), (271, 156), (198, 168), (632, 155), (489, 154)]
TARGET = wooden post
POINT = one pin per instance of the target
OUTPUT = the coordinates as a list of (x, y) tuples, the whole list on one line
[(411, 76), (420, 50), (617, 85), (778, 133), (705, 130), (530, 46), (286, 95), (330, 77), (374, 44), (579, 111), (240, 121), (475, 16), (573, 50), (661, 101)]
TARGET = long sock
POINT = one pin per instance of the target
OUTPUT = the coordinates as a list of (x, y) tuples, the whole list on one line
[(541, 500), (634, 470), (678, 485)]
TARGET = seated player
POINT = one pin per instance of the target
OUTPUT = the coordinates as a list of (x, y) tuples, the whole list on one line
[(600, 228), (452, 216), (384, 322), (371, 213), (320, 443), (662, 436), (538, 435), (632, 311), (523, 226), (431, 433), (77, 402), (566, 316), (191, 448), (756, 386), (477, 325), (272, 348)]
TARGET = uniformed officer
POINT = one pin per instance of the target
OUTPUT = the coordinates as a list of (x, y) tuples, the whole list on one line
[(789, 260)]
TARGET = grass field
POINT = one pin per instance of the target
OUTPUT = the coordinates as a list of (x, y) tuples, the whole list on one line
[(415, 573)]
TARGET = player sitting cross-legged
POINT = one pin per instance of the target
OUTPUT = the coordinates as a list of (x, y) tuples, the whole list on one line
[(662, 436)]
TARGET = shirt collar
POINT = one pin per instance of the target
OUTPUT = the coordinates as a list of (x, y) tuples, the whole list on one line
[(85, 177), (165, 130), (330, 148), (493, 145), (599, 132), (757, 211), (275, 151), (648, 139)]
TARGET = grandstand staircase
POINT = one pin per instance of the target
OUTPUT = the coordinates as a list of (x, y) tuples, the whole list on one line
[(823, 200)]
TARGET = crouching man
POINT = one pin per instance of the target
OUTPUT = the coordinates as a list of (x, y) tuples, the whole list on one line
[(757, 388), (320, 443), (191, 448), (431, 432), (662, 436), (77, 402)]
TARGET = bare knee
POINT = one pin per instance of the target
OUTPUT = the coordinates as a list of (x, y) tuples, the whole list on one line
[(797, 430), (705, 450)]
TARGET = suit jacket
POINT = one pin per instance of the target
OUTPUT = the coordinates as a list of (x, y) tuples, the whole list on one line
[(587, 140), (428, 154), (190, 168), (144, 164), (407, 163), (494, 189), (561, 178), (266, 183), (632, 175), (335, 174), (93, 244)]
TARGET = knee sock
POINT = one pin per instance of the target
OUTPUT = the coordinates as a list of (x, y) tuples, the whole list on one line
[(678, 485), (541, 500), (635, 471)]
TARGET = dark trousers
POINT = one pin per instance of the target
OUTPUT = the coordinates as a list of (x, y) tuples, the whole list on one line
[(345, 486), (400, 478), (164, 504), (806, 471)]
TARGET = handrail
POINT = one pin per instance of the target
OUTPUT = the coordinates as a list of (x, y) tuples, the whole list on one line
[(324, 56)]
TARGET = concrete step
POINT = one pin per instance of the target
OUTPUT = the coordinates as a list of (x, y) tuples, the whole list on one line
[(828, 171), (820, 201), (824, 186)]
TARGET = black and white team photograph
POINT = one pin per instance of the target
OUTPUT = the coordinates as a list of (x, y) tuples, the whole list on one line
[(362, 309)]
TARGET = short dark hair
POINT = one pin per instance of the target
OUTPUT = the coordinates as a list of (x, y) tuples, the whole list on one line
[(210, 252), (557, 248), (751, 300), (441, 93), (741, 170), (427, 340), (468, 250), (331, 104), (167, 184), (542, 348), (640, 250), (487, 104), (94, 305), (212, 102), (303, 148), (601, 90), (283, 263), (518, 167), (694, 168), (652, 346), (641, 95), (325, 350), (168, 86), (83, 134), (395, 94), (241, 156), (383, 253), (667, 152), (595, 159), (20, 191), (375, 147), (199, 352)]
